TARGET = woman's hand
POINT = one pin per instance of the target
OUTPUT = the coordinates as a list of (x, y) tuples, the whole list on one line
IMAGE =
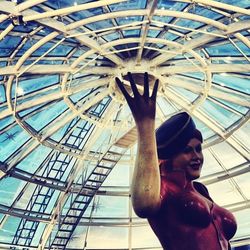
[(142, 106)]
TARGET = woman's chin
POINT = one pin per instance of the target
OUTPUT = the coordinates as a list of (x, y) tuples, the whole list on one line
[(193, 175)]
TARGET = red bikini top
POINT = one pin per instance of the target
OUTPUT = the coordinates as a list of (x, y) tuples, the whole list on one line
[(194, 210)]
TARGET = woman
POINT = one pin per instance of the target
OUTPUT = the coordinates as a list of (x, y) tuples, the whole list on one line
[(179, 210)]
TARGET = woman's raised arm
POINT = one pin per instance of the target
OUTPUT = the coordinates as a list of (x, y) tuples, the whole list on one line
[(145, 190)]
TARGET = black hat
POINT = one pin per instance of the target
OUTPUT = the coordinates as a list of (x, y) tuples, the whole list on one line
[(174, 134)]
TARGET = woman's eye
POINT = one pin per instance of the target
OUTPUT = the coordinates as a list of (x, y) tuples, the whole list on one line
[(187, 150), (198, 149)]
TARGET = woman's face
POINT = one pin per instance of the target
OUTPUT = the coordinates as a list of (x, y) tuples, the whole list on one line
[(190, 159)]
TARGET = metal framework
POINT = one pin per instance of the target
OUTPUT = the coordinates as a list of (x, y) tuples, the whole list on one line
[(65, 127), (55, 167)]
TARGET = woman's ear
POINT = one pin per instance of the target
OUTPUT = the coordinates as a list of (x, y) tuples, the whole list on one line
[(163, 164)]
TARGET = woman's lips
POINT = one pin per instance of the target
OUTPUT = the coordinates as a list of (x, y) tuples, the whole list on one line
[(195, 166)]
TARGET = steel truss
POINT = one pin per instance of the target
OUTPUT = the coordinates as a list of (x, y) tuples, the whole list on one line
[(58, 165)]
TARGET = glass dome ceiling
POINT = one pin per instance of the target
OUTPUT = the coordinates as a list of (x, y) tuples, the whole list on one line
[(67, 138)]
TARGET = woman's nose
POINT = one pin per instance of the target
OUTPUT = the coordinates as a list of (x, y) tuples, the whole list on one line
[(196, 153)]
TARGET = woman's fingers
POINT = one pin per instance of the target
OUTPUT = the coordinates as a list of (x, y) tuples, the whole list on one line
[(133, 85), (155, 89), (122, 88), (146, 85), (135, 90)]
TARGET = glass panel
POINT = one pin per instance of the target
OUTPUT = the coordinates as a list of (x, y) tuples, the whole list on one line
[(101, 237), (58, 77), (229, 193), (143, 235), (8, 45), (221, 115), (9, 229), (9, 189), (16, 135), (244, 222)]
